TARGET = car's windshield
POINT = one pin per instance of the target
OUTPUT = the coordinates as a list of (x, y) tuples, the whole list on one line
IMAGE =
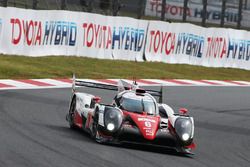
[(139, 104)]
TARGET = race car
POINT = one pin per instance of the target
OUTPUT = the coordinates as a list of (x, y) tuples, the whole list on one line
[(133, 116)]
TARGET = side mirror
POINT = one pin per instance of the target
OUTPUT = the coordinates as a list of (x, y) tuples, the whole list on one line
[(97, 99), (183, 111)]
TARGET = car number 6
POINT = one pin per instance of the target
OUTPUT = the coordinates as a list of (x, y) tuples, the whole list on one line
[(148, 124)]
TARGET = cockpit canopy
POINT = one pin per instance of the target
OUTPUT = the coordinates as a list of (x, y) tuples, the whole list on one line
[(131, 102)]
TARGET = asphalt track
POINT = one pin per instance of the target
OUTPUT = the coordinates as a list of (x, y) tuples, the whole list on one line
[(34, 132)]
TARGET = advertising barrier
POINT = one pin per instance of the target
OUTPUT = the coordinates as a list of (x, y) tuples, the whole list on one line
[(174, 11), (189, 44), (39, 33), (42, 33)]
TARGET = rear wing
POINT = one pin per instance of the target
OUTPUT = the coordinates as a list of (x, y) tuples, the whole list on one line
[(81, 83)]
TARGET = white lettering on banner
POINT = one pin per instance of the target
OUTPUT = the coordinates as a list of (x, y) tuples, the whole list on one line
[(42, 33)]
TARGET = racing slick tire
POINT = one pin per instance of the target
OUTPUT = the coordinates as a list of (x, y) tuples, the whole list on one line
[(95, 133), (72, 113)]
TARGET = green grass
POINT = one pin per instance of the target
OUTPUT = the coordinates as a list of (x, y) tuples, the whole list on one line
[(20, 67)]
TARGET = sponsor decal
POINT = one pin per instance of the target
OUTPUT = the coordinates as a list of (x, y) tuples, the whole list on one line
[(174, 10), (146, 119), (164, 44), (221, 47), (107, 37), (33, 32), (171, 43)]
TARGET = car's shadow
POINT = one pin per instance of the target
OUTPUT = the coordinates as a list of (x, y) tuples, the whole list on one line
[(154, 149), (78, 134)]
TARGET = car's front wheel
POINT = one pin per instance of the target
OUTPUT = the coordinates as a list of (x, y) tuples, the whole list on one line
[(95, 133), (72, 113)]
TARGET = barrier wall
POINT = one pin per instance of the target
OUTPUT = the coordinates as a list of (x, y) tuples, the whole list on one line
[(42, 33), (189, 44), (174, 10)]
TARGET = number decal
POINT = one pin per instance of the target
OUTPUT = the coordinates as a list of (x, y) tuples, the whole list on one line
[(148, 124)]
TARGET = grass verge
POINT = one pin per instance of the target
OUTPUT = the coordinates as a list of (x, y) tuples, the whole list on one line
[(21, 67)]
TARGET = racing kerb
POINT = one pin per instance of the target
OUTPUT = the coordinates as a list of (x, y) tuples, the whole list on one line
[(67, 83)]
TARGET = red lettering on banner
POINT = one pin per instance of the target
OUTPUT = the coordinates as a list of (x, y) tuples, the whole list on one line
[(172, 44), (216, 47), (31, 31), (156, 40), (30, 26), (162, 42), (104, 28), (109, 41), (25, 29), (209, 39), (96, 30), (169, 9), (39, 34), (164, 37), (224, 49), (96, 35), (151, 39), (166, 45), (174, 10), (15, 40), (156, 5), (90, 28)]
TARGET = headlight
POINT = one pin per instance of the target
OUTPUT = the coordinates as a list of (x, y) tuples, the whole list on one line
[(185, 137), (110, 126), (183, 127), (112, 118)]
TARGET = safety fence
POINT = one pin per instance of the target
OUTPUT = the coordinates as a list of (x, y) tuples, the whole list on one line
[(43, 32)]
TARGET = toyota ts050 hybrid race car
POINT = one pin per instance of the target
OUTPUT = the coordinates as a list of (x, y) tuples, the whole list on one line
[(134, 116)]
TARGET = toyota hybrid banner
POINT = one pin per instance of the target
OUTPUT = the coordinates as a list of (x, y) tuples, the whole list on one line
[(45, 32), (39, 33)]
